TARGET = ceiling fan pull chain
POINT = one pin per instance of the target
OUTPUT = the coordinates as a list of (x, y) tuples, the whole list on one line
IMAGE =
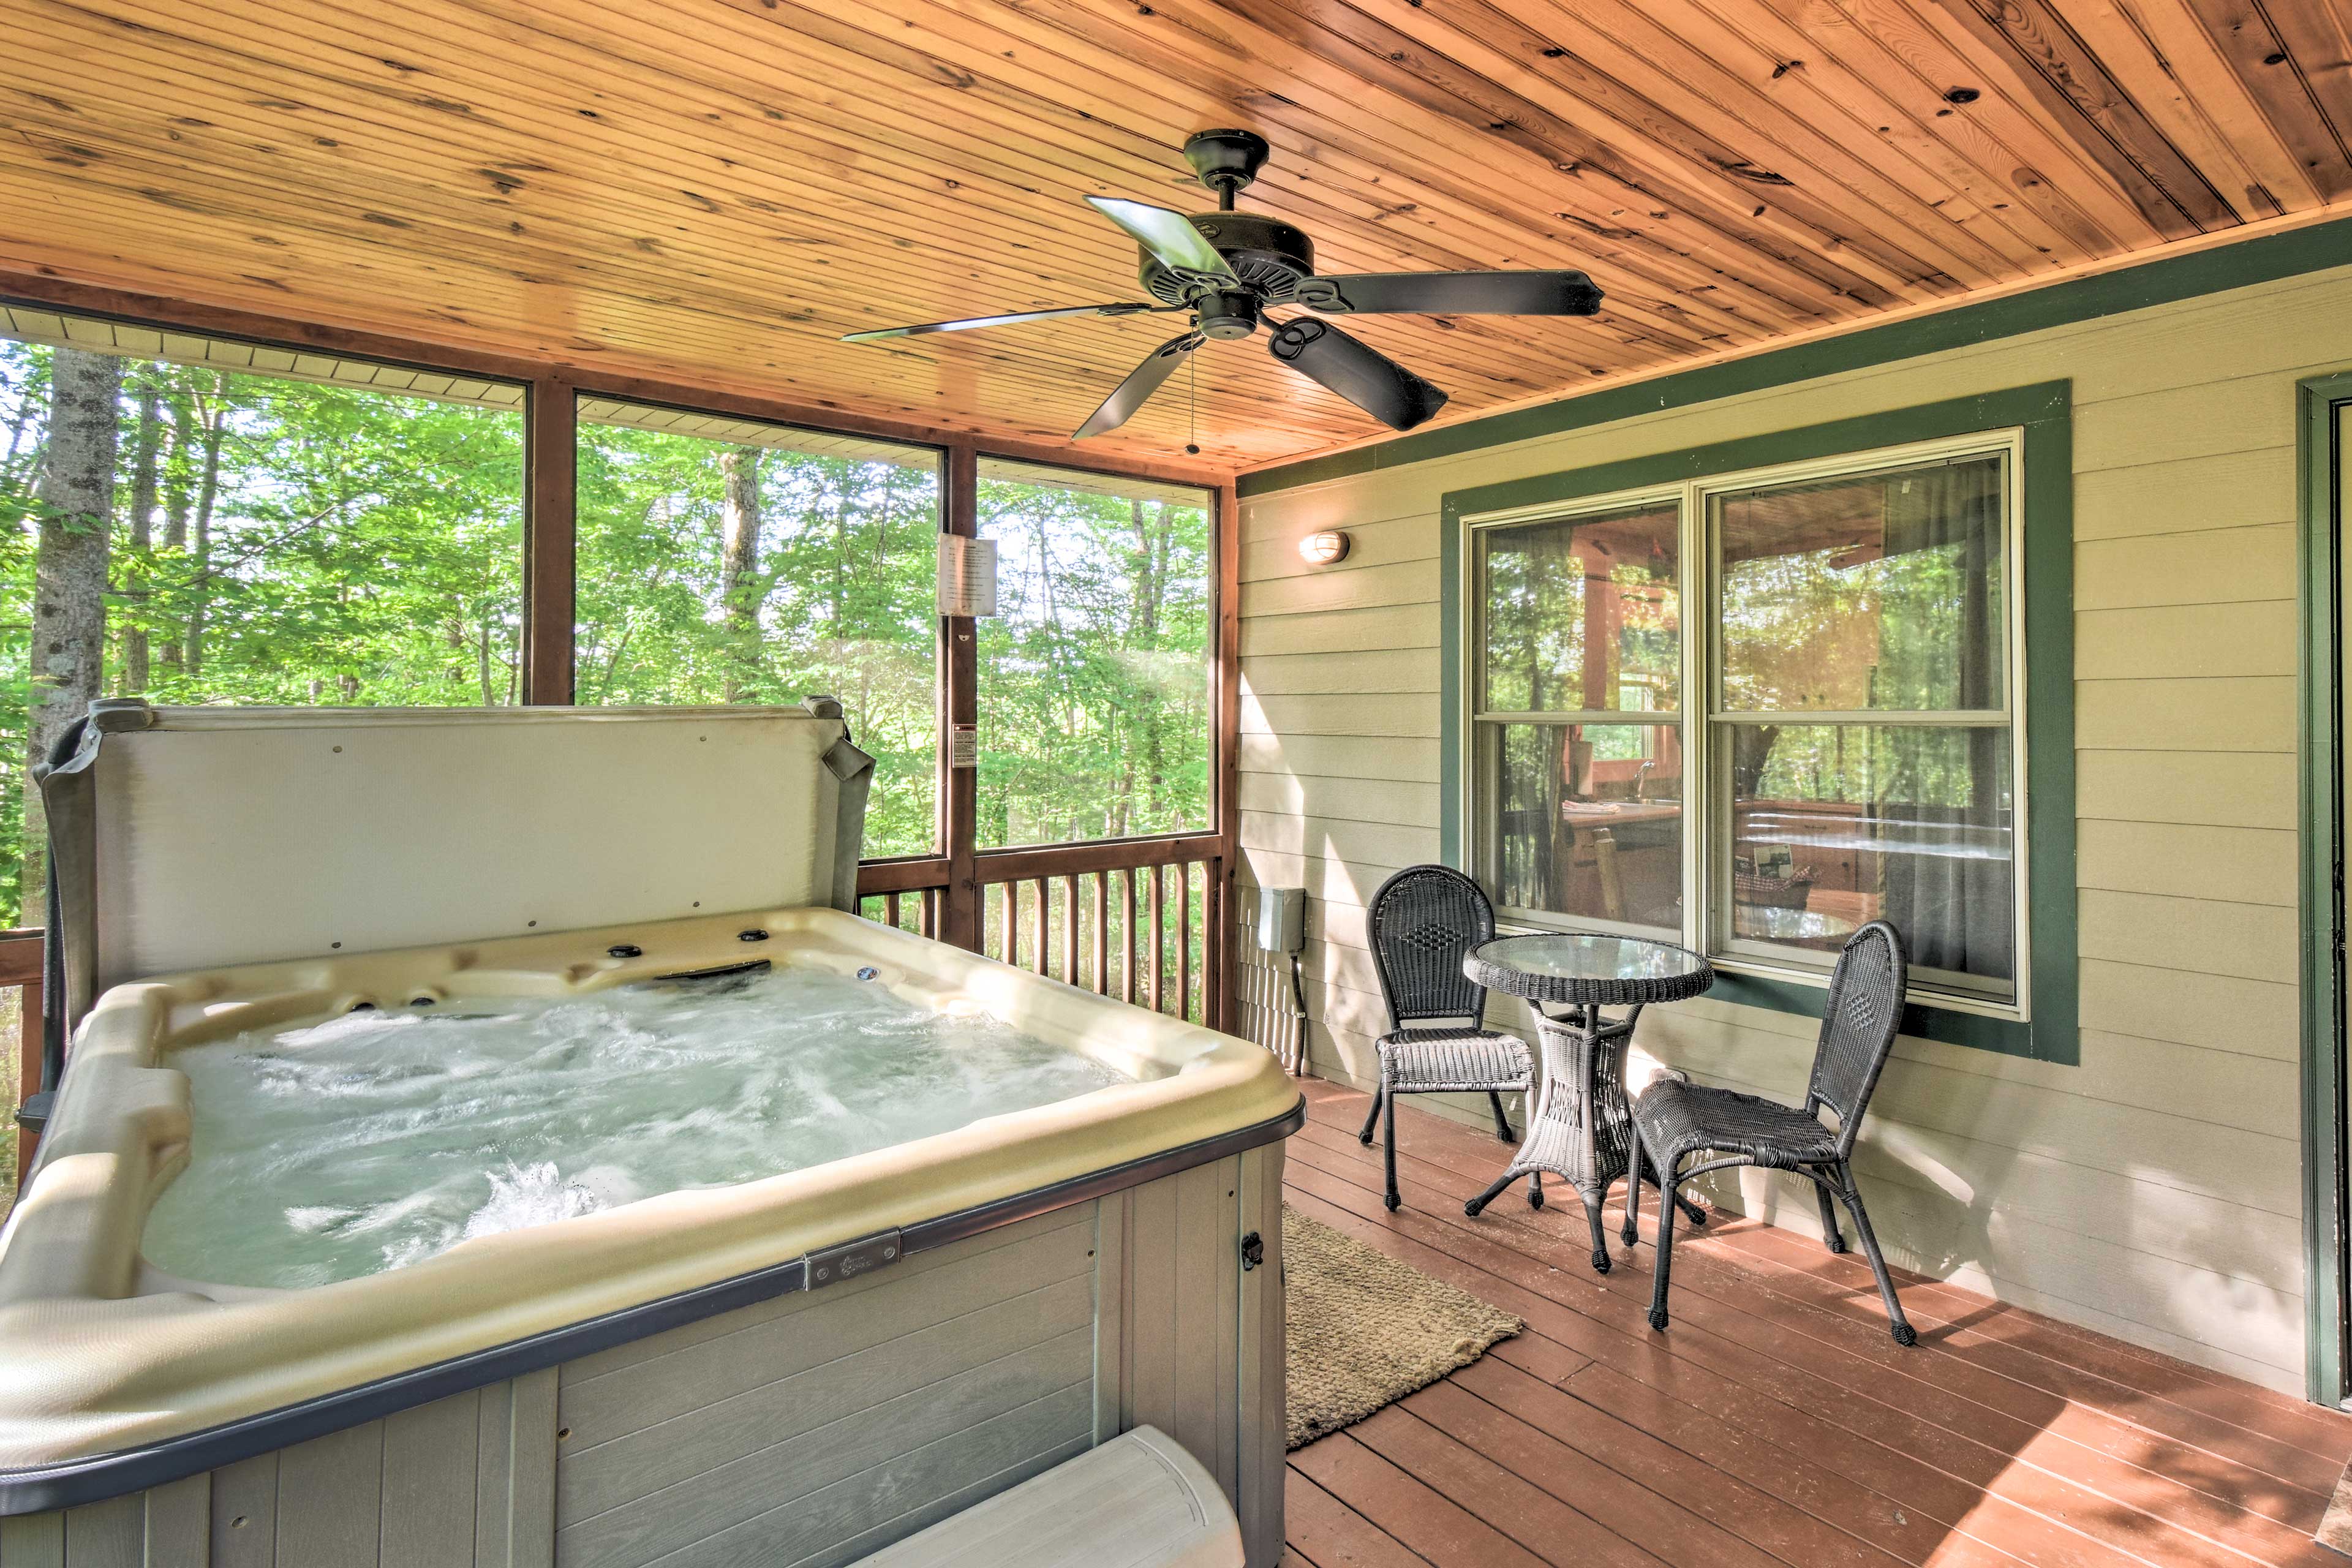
[(1192, 421)]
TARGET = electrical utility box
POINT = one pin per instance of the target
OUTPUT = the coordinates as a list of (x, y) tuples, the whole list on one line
[(1281, 919)]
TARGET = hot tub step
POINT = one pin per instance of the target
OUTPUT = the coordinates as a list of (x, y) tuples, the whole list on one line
[(1137, 1501)]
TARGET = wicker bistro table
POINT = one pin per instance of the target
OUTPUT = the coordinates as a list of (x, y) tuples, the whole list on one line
[(1580, 1129)]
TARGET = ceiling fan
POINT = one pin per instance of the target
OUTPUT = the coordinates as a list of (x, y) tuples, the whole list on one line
[(1226, 267)]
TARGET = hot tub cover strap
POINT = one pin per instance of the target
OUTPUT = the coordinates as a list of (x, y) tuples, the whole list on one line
[(854, 770)]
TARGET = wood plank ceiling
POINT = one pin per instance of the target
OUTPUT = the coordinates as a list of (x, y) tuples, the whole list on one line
[(714, 190)]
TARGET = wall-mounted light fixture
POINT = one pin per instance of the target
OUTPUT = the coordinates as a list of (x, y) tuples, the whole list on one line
[(1325, 549)]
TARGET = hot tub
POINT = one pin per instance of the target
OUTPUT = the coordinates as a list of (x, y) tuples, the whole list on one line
[(798, 1367)]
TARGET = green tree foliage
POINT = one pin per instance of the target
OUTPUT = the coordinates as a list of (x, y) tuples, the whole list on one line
[(1095, 674), (305, 544), (282, 542), (830, 591)]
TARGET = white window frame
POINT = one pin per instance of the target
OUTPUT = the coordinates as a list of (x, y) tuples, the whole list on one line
[(1700, 719)]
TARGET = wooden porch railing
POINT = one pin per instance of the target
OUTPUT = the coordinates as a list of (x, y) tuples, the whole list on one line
[(20, 1046), (1136, 918)]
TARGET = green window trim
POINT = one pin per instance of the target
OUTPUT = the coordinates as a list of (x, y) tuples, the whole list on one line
[(2321, 829), (2044, 413)]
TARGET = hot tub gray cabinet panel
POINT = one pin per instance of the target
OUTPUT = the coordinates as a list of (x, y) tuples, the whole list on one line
[(804, 1431), (463, 1480)]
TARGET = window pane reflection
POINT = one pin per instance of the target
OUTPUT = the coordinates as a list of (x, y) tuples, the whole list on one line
[(1873, 593), (1589, 820), (1835, 825), (1582, 615)]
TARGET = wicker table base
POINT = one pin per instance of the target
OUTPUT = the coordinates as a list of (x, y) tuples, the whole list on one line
[(1580, 1129)]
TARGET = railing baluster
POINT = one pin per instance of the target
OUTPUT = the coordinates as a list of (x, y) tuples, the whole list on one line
[(1102, 933), (1217, 946), (930, 914), (890, 910), (1127, 936), (1069, 931), (1009, 921), (1184, 941), (1158, 958), (1043, 928)]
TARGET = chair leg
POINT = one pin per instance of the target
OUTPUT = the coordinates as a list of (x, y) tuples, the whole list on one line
[(1372, 1117), (1502, 1123), (1387, 1104), (1493, 1192), (1632, 1231), (1535, 1190), (1897, 1323), (1600, 1235), (1666, 1181), (1832, 1236)]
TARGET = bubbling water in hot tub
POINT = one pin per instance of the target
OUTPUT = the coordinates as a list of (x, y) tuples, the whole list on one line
[(329, 1150)]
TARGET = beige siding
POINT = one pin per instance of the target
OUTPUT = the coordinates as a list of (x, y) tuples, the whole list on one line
[(2151, 1192)]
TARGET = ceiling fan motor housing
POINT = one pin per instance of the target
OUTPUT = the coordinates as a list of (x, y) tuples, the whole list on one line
[(1225, 315), (1267, 255)]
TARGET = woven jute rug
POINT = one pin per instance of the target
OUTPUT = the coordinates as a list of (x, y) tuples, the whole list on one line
[(2336, 1526), (1366, 1330)]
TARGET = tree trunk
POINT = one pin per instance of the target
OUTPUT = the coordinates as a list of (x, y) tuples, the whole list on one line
[(739, 566), (489, 692), (200, 545), (145, 451), (77, 496), (178, 492)]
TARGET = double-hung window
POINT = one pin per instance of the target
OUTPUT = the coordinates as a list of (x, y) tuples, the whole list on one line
[(1752, 711)]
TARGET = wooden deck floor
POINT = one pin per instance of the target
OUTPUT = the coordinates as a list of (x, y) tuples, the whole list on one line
[(1775, 1422)]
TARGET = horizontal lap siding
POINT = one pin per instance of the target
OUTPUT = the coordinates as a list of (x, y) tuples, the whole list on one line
[(2150, 1192)]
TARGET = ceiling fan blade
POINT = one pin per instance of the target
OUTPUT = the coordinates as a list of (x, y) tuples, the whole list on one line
[(1169, 236), (1122, 308), (1454, 293), (1141, 384), (1357, 372)]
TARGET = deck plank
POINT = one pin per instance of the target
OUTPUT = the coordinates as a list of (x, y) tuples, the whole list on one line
[(2110, 1478), (1775, 1422), (2152, 1434)]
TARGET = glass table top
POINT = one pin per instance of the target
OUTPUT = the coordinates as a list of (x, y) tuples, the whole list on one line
[(1589, 955), (1588, 968)]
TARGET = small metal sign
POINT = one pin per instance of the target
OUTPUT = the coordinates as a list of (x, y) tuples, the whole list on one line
[(963, 746), (849, 1259), (967, 575)]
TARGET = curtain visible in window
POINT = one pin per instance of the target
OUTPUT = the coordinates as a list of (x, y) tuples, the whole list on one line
[(1950, 882)]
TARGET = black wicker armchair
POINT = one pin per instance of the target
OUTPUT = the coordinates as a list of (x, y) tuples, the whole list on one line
[(1673, 1120), (1423, 921)]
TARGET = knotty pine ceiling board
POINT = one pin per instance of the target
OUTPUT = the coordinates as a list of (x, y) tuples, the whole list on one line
[(714, 191)]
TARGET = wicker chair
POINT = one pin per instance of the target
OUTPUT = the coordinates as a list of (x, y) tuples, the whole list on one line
[(1674, 1119), (1423, 921)]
